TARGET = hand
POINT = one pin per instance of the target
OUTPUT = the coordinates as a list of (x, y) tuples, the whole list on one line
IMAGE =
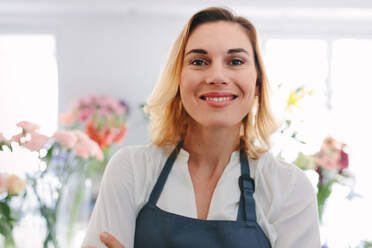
[(109, 240)]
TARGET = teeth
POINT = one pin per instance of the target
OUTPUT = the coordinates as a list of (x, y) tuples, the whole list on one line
[(218, 99)]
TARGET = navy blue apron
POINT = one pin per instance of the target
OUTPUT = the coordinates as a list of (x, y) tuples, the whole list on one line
[(156, 228)]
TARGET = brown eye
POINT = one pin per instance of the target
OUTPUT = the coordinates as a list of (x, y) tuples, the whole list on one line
[(197, 62)]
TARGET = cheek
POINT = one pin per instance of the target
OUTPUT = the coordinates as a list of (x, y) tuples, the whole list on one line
[(247, 84), (189, 83), (190, 77)]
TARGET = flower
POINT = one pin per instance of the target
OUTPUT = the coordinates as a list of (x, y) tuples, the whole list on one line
[(17, 138), (65, 138), (106, 136), (332, 155), (296, 95), (102, 117), (86, 147), (344, 159), (2, 138), (29, 127), (37, 142), (3, 141), (86, 114), (67, 118), (14, 185)]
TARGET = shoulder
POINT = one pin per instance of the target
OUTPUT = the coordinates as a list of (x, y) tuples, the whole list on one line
[(133, 155), (131, 161), (281, 173), (287, 185)]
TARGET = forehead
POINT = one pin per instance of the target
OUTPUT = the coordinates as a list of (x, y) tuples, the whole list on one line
[(221, 35)]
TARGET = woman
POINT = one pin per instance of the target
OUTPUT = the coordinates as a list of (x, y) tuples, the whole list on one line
[(207, 180)]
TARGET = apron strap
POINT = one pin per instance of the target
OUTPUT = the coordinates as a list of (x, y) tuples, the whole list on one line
[(158, 188), (247, 208)]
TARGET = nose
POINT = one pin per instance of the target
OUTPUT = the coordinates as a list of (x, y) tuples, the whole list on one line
[(216, 74)]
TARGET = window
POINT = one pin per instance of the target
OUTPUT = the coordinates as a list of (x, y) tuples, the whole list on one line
[(338, 71), (28, 91), (291, 64)]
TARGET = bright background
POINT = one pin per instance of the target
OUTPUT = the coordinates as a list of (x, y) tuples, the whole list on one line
[(52, 52)]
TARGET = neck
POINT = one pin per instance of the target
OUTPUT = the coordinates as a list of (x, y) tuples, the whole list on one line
[(210, 148)]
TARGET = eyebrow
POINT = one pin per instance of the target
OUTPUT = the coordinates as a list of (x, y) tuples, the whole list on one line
[(237, 50), (230, 51)]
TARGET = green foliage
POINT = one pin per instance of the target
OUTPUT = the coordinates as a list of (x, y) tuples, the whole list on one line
[(7, 221), (304, 162)]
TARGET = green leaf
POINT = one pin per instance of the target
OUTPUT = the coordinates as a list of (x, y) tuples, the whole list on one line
[(5, 210), (49, 155), (5, 228)]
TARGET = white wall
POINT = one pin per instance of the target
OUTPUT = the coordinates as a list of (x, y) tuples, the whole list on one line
[(119, 56), (119, 48)]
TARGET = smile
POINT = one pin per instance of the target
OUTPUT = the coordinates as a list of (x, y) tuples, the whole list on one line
[(218, 99)]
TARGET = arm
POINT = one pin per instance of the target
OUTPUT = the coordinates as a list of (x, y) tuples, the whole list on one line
[(114, 211), (297, 225)]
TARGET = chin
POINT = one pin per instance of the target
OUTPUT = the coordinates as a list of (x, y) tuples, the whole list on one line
[(225, 123)]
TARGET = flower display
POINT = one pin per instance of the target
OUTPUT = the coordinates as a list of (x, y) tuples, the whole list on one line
[(64, 153), (331, 164), (332, 155), (331, 161), (103, 118)]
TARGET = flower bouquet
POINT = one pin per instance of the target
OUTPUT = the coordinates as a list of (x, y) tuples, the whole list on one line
[(331, 164), (103, 118), (61, 156)]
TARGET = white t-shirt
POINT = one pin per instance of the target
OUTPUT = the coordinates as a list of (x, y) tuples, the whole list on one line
[(286, 205)]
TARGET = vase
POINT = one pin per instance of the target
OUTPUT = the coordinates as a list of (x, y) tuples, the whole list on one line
[(74, 211)]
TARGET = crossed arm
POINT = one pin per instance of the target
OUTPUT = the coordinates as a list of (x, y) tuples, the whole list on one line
[(109, 240)]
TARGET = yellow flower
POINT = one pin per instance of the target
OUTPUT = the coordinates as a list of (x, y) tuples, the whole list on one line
[(293, 99)]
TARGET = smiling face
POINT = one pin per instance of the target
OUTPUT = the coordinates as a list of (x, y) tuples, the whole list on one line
[(218, 78)]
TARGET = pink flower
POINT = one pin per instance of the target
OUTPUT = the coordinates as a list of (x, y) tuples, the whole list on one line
[(99, 155), (3, 140), (14, 185), (67, 118), (96, 151), (86, 147), (344, 160), (82, 150), (87, 100), (37, 142), (331, 155), (29, 127), (65, 138), (81, 135), (17, 138), (86, 114)]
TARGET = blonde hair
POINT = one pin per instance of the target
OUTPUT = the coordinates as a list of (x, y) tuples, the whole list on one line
[(167, 114)]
